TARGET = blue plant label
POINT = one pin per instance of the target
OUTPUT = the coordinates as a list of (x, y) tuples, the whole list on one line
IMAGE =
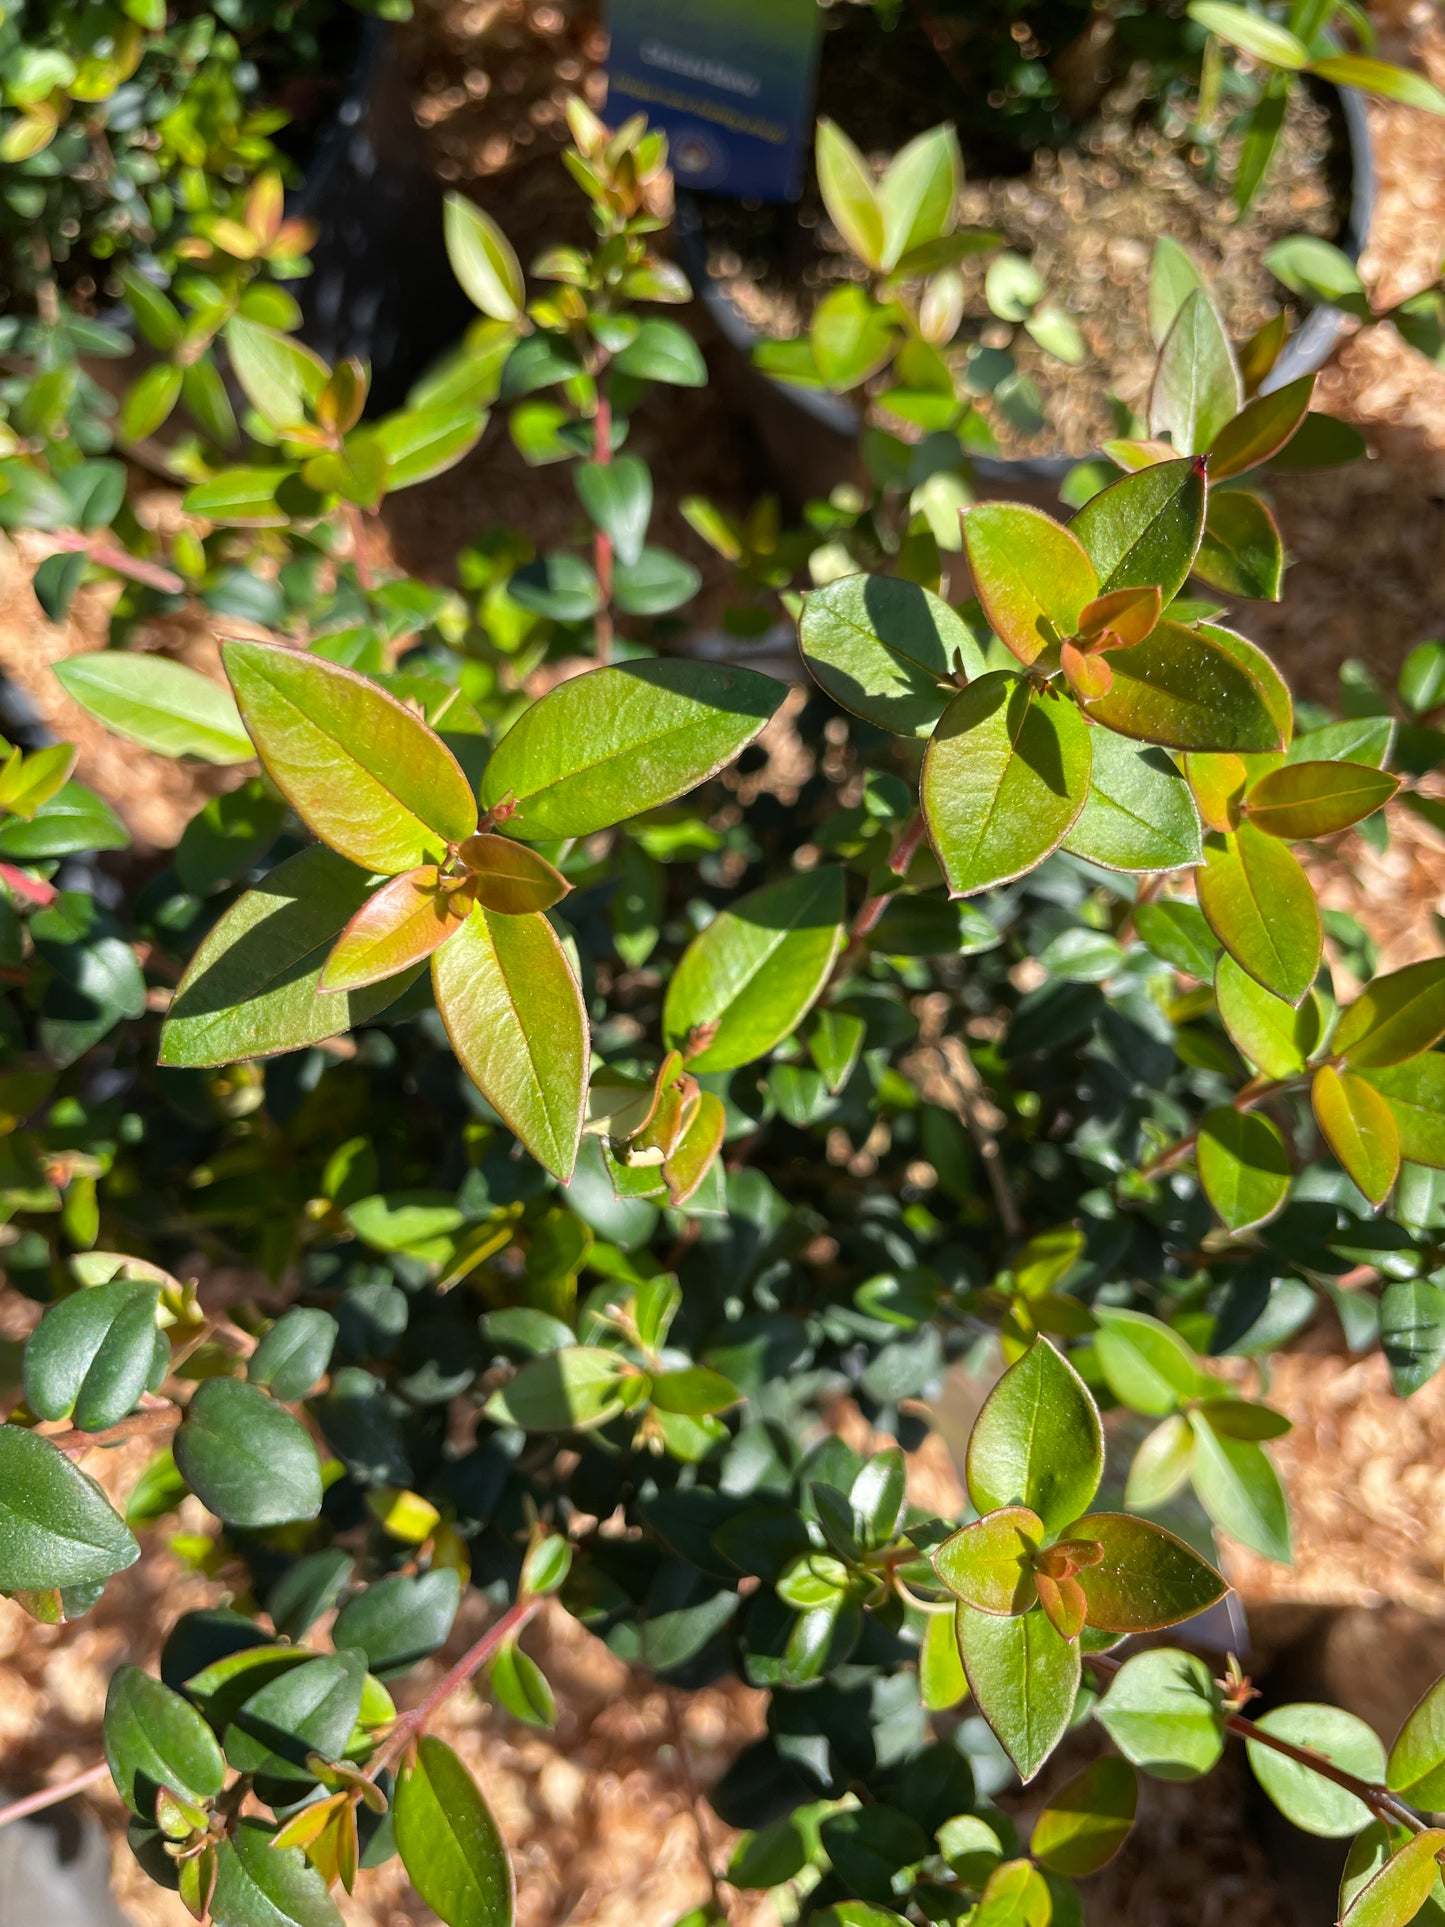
[(730, 82)]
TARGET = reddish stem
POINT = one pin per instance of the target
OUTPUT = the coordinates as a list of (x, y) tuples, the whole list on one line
[(51, 1796), (157, 1419), (410, 1723), (903, 856), (76, 542), (33, 889)]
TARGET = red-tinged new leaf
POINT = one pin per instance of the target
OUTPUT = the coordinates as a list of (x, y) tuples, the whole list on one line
[(1090, 677), (1305, 800), (686, 1166), (1359, 1127), (510, 877), (1259, 904), (1260, 430), (514, 1014), (1031, 575), (364, 773), (989, 1564), (1146, 1579), (1064, 1604), (1128, 615), (402, 924)]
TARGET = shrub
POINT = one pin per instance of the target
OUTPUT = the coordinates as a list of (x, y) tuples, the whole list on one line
[(595, 1085)]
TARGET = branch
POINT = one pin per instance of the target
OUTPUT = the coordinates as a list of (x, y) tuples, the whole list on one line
[(51, 1796), (407, 1725), (154, 1419), (108, 556), (962, 1075)]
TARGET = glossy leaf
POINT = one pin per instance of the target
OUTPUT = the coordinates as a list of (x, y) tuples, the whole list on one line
[(918, 195), (153, 1739), (570, 1390), (616, 742), (1241, 26), (514, 1014), (1139, 815), (989, 1564), (1087, 1820), (883, 648), (294, 1354), (483, 260), (1243, 1166), (1241, 553), (1163, 1711), (1303, 1796), (1147, 1577), (252, 987), (1394, 1018), (1197, 387), (1381, 77), (850, 194), (1240, 1490), (1177, 932), (1402, 1886), (307, 1709), (1260, 430), (448, 1840), (1415, 1093), (160, 704), (91, 1355), (363, 772), (1004, 777), (1359, 1127), (262, 1885), (400, 1619), (1260, 906), (56, 1526), (400, 924), (1144, 530), (422, 442), (1161, 1465), (1145, 1363), (1024, 1679), (747, 980), (1304, 800), (279, 376), (617, 496), (510, 878), (1037, 1441), (246, 1458), (1182, 689), (1032, 576)]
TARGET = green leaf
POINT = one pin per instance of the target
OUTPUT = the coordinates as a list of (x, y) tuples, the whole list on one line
[(1303, 800), (153, 1739), (156, 316), (619, 741), (1032, 576), (259, 1885), (1197, 387), (514, 1013), (849, 194), (663, 351), (1383, 78), (1413, 1332), (1415, 1093), (1260, 430), (400, 924), (617, 496), (693, 1390), (1241, 553), (919, 193), (1144, 530), (363, 772), (1416, 1766), (1174, 274), (1024, 1679), (882, 647), (655, 583), (834, 1043), (1161, 1465), (1394, 1018), (1397, 1893), (1242, 27), (989, 1564), (1243, 1166), (483, 260), (448, 1840), (519, 1684), (747, 981), (246, 1458), (278, 376), (1139, 815), (158, 703), (1004, 778), (1146, 1364), (1014, 1895), (1164, 1713), (400, 1619), (243, 498), (1260, 905), (1275, 1036), (1303, 1796), (1359, 1127), (1088, 1819), (1240, 1490), (573, 1389), (941, 1681), (150, 400), (91, 1354), (56, 1527), (307, 1709), (422, 442), (294, 1354), (251, 989), (1177, 932), (1185, 689), (1037, 1441), (852, 336), (1147, 1577), (227, 837)]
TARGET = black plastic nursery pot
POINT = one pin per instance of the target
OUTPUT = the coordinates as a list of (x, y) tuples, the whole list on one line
[(811, 436)]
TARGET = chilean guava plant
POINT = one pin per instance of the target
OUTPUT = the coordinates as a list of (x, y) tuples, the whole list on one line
[(483, 1152)]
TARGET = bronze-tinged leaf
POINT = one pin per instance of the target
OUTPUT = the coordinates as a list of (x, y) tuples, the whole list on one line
[(1128, 615), (1031, 575), (1359, 1127), (1259, 904), (1183, 689), (1306, 800), (510, 877), (403, 923), (1260, 429)]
